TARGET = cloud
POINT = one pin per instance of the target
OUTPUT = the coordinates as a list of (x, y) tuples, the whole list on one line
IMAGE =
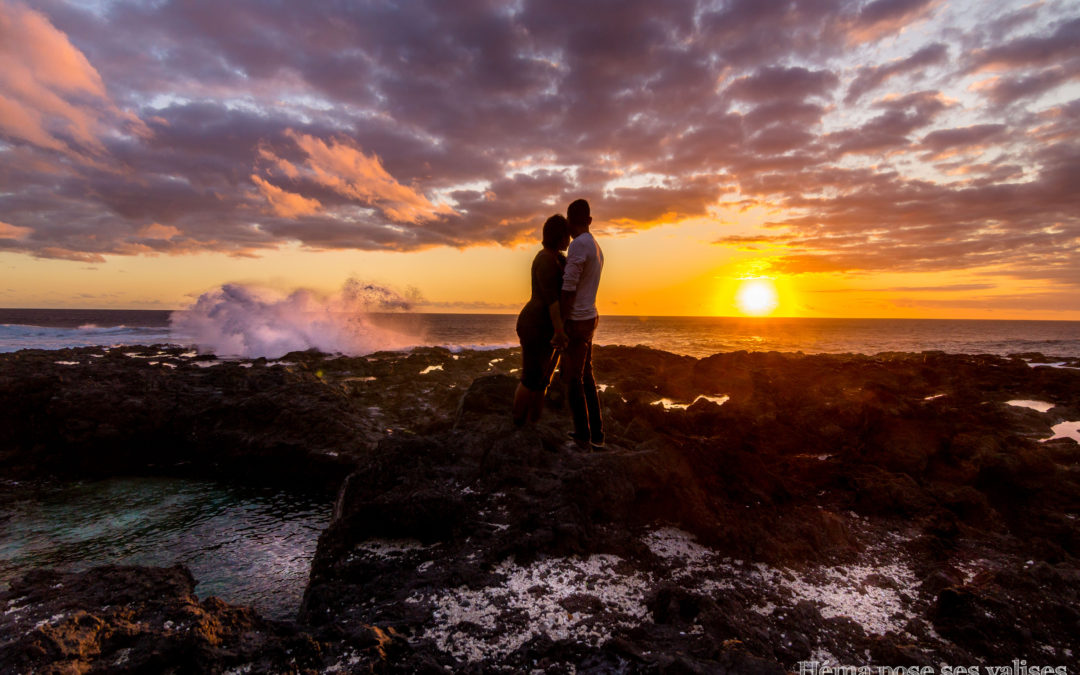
[(283, 203), (889, 131), (13, 232), (946, 142), (401, 128), (50, 94), (771, 83), (882, 18), (1034, 300), (1061, 45), (159, 231), (460, 305), (64, 254), (345, 169), (872, 77), (950, 288), (1009, 90)]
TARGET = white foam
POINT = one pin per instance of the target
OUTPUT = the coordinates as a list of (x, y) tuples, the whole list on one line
[(239, 320), (14, 337), (430, 369), (935, 396), (1059, 364), (208, 364), (1040, 406), (389, 548), (672, 405), (66, 363), (457, 349)]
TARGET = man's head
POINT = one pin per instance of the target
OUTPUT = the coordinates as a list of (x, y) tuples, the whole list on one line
[(577, 214)]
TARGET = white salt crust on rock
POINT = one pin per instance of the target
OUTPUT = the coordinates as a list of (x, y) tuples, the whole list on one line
[(607, 594)]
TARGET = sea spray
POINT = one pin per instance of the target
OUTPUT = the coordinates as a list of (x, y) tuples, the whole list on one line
[(249, 321)]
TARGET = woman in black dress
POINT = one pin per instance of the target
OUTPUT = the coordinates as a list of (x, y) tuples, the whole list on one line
[(539, 325)]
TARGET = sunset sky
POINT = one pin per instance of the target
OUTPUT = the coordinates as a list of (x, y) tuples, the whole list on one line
[(899, 158)]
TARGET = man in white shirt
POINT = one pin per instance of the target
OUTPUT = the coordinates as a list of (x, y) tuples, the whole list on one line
[(581, 278)]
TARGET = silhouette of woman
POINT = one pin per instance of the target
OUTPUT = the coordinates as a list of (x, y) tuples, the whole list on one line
[(539, 325)]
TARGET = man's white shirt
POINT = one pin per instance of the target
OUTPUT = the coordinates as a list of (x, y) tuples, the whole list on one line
[(584, 262)]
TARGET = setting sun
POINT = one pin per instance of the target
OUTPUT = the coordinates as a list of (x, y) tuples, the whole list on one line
[(757, 297)]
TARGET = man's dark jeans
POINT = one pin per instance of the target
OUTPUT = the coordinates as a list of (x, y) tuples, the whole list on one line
[(576, 368)]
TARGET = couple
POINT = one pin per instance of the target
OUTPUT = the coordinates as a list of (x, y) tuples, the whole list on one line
[(558, 324)]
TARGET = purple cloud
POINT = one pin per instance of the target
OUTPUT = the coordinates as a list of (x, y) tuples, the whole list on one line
[(179, 127), (872, 77)]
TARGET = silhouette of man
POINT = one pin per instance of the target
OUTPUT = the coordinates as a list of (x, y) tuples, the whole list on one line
[(581, 279)]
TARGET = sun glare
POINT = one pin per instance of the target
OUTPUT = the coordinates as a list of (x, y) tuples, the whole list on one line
[(757, 297)]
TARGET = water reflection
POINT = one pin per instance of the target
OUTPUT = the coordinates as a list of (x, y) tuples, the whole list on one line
[(250, 546)]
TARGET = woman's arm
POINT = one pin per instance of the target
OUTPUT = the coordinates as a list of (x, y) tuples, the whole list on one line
[(559, 339), (551, 280)]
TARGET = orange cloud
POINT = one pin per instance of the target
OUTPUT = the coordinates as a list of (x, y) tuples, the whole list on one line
[(286, 204), (13, 231), (159, 231), (284, 165), (58, 253), (349, 172), (882, 18), (50, 94)]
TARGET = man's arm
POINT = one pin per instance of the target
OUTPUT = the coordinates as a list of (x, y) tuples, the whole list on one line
[(566, 301), (575, 263)]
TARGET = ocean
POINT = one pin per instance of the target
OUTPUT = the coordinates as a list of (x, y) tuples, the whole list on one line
[(693, 336)]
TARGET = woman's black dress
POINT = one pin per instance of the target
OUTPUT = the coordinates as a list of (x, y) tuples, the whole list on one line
[(534, 327)]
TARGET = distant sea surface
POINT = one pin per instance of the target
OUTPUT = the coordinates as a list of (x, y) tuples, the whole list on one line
[(694, 336)]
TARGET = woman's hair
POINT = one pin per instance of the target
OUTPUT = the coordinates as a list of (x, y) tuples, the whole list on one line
[(555, 230)]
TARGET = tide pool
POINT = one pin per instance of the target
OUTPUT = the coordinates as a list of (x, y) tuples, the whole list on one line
[(245, 545)]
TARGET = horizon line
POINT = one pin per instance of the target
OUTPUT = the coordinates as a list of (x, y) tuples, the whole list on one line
[(643, 316)]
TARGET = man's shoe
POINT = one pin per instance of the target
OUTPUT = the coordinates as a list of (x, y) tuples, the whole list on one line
[(597, 441), (580, 441)]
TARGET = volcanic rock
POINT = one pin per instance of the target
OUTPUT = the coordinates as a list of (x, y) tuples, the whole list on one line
[(750, 510)]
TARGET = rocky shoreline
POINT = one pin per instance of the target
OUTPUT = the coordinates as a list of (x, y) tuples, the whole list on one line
[(752, 511)]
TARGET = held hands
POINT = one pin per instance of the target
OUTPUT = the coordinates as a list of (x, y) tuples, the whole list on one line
[(559, 341)]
